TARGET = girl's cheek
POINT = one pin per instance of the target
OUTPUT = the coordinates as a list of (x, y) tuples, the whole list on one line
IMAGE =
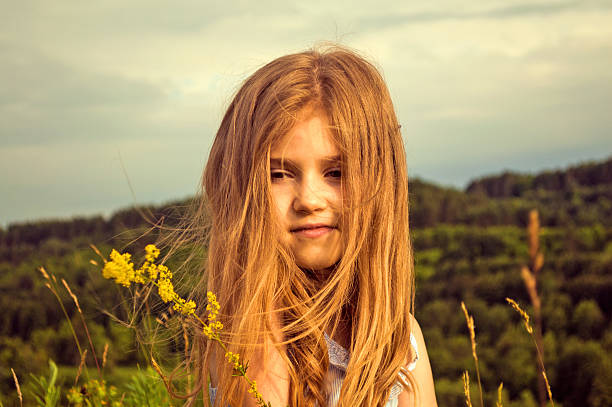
[(281, 197)]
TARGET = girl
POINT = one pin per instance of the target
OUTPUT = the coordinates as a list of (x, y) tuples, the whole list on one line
[(309, 254)]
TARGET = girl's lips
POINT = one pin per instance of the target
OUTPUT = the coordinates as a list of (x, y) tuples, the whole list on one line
[(313, 232)]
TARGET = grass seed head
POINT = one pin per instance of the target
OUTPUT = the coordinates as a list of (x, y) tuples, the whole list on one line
[(18, 387), (499, 395), (466, 389), (471, 327), (525, 316)]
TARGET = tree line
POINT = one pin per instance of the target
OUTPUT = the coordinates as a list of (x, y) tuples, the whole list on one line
[(469, 246)]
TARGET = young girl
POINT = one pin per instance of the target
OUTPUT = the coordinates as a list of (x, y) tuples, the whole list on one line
[(309, 254)]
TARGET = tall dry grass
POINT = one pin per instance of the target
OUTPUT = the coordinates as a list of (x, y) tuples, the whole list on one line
[(529, 275)]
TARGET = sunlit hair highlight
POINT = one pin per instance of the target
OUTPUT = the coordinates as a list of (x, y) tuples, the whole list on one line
[(266, 299)]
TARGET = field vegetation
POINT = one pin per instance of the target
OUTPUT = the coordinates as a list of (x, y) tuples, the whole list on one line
[(469, 247)]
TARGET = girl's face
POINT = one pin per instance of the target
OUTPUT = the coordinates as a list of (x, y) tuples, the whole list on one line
[(305, 171)]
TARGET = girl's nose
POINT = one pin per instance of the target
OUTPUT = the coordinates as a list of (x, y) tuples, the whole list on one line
[(309, 196)]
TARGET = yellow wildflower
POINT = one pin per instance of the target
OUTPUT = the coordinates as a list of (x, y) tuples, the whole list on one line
[(212, 307), (110, 270), (139, 276), (233, 358), (212, 299), (166, 290), (152, 253), (119, 268), (211, 329), (184, 307), (151, 270), (253, 388), (164, 272), (208, 331)]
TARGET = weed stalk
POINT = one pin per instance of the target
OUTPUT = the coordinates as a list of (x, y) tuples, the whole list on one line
[(530, 277), (471, 327)]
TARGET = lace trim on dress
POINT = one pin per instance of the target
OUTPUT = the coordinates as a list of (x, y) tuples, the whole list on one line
[(339, 357)]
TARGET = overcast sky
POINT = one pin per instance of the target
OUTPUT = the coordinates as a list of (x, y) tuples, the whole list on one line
[(93, 94)]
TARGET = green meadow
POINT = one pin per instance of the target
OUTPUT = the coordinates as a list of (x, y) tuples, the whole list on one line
[(469, 247)]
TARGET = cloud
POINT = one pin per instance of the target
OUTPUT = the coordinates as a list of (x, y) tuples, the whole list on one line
[(48, 101), (391, 13), (477, 86)]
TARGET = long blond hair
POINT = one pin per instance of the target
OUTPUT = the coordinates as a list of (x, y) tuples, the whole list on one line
[(256, 279)]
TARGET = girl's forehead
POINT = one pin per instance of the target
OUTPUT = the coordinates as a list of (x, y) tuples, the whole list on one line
[(310, 136)]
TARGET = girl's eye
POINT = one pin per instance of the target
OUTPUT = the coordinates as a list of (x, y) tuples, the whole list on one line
[(278, 175), (335, 173)]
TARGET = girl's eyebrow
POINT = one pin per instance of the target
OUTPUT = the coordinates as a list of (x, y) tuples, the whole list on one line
[(279, 162), (333, 158)]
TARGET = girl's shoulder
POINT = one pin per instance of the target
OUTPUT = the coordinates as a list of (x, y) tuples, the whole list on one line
[(421, 371), (415, 335), (415, 347)]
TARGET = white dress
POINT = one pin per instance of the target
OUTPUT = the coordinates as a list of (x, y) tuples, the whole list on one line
[(338, 362)]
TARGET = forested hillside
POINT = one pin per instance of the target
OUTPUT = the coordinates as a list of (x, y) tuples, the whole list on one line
[(469, 246)]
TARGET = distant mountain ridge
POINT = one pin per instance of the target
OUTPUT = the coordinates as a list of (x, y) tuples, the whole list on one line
[(580, 195), (512, 184)]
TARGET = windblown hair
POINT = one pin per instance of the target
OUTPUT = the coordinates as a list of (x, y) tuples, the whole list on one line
[(260, 288)]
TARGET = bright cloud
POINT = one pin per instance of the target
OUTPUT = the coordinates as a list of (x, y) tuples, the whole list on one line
[(478, 86)]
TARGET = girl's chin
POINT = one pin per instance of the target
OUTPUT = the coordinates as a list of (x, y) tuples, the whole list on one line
[(319, 267), (322, 256)]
